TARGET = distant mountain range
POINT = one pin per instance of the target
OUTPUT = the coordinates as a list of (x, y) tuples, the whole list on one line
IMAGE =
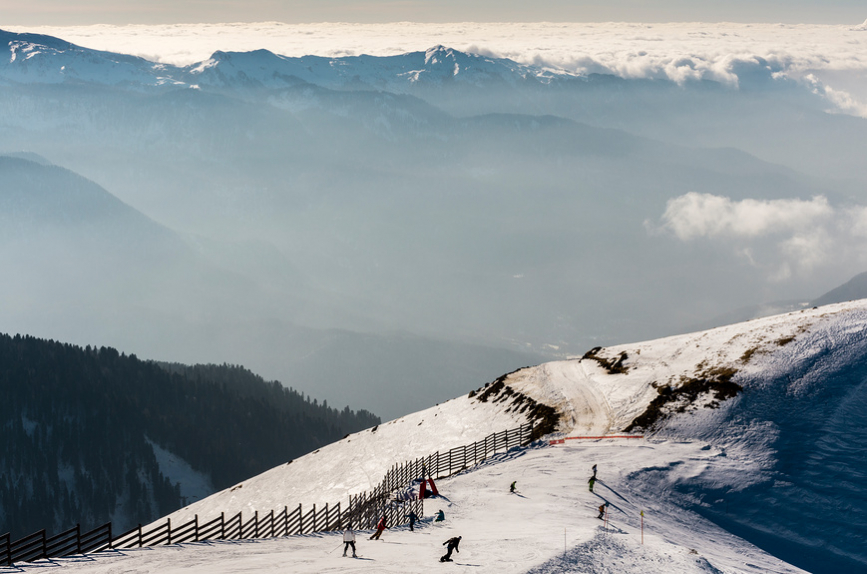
[(44, 59)]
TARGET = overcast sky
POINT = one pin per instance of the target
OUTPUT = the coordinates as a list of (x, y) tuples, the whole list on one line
[(84, 12)]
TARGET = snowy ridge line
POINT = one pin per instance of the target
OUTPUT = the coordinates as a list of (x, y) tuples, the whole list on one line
[(564, 439), (362, 512)]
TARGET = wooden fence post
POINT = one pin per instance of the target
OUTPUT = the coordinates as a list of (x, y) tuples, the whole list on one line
[(256, 524), (223, 525), (9, 548), (169, 528), (197, 527), (78, 538)]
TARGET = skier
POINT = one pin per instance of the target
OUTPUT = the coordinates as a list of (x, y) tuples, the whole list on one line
[(601, 511), (349, 540), (440, 516), (380, 526), (512, 487), (591, 482), (412, 519), (594, 471), (452, 545)]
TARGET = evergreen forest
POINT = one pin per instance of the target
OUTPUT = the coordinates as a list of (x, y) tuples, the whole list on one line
[(79, 423)]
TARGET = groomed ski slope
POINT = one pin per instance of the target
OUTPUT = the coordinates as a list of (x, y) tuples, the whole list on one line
[(758, 463), (526, 532)]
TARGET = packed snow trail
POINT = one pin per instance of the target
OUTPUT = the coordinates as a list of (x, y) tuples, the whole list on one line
[(570, 388), (549, 526)]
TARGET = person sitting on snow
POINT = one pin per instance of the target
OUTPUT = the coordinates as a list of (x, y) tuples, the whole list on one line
[(440, 516)]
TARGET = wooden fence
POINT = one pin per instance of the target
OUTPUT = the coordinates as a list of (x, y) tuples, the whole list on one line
[(363, 511)]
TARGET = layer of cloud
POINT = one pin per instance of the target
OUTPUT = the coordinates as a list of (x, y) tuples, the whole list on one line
[(784, 236), (677, 51), (704, 215), (674, 50)]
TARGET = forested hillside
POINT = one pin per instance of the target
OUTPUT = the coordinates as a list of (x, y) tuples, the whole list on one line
[(78, 423)]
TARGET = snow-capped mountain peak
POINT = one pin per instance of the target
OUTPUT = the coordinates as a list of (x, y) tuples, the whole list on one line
[(36, 58), (44, 59)]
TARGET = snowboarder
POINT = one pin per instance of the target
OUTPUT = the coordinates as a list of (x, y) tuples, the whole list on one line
[(440, 516), (512, 487), (349, 540), (380, 526), (591, 482), (452, 545), (594, 471), (412, 519), (601, 511)]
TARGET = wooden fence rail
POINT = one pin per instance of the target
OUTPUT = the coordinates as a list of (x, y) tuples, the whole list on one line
[(362, 513)]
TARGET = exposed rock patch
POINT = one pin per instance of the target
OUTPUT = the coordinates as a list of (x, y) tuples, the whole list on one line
[(715, 383)]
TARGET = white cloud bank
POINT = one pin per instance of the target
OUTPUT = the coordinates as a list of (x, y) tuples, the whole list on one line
[(676, 51), (784, 236), (704, 215)]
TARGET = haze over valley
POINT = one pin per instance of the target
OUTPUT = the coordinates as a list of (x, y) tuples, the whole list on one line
[(247, 268), (458, 214)]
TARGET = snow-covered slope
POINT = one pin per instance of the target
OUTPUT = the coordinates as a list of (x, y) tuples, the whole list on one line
[(759, 409), (437, 66), (34, 58), (548, 527)]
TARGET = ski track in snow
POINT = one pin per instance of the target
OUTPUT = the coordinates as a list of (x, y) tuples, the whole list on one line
[(549, 526)]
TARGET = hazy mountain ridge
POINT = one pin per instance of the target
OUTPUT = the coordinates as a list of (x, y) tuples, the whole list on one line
[(453, 190), (96, 250)]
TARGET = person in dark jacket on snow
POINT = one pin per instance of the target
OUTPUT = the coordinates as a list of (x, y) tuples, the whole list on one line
[(450, 544), (413, 517), (380, 526), (440, 516)]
